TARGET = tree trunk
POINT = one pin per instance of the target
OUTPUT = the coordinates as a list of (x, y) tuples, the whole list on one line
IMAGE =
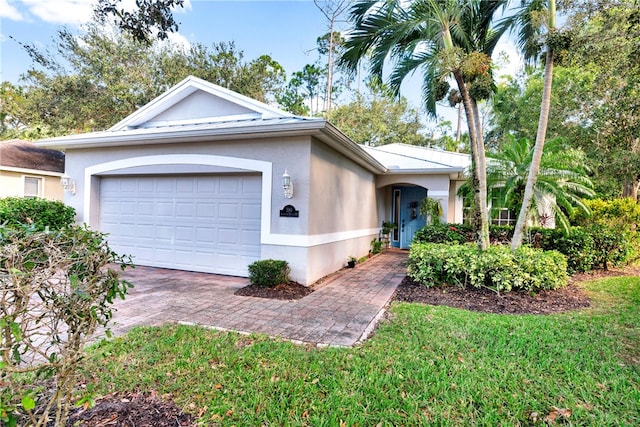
[(459, 130), (630, 188), (478, 176), (329, 70), (482, 174), (534, 169)]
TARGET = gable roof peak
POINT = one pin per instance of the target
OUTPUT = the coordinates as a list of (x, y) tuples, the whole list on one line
[(238, 106)]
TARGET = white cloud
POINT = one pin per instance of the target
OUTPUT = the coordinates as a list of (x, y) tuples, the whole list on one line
[(9, 11), (179, 41), (72, 12), (185, 8)]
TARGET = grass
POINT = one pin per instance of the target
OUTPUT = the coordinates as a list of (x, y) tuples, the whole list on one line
[(425, 366)]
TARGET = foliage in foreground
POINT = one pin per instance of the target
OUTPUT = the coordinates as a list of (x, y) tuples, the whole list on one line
[(37, 213), (55, 290), (497, 267), (426, 365)]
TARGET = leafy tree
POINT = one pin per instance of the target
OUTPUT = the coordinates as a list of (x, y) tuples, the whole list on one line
[(378, 119), (605, 38), (148, 17), (594, 96), (442, 39), (516, 104), (94, 80), (303, 91), (561, 185)]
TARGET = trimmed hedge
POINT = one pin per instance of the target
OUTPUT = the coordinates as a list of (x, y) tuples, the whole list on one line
[(269, 272), (596, 246), (497, 268), (586, 248), (37, 214)]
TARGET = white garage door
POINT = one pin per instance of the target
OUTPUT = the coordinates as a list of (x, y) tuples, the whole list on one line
[(208, 223)]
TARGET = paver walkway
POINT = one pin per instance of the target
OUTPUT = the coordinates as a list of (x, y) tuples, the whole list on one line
[(341, 312)]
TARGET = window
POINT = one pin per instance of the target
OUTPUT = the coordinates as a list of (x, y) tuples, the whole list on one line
[(499, 216), (503, 216), (396, 214), (32, 187)]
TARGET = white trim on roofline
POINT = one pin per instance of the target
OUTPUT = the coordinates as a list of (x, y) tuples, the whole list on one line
[(435, 171), (31, 171)]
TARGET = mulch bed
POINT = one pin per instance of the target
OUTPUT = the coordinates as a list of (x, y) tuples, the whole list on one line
[(568, 298), (283, 291), (131, 410)]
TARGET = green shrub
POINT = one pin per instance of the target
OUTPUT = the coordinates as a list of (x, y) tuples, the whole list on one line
[(616, 212), (376, 246), (498, 268), (586, 248), (460, 233), (612, 245), (577, 245), (444, 233), (620, 214), (500, 234), (269, 272), (56, 289), (36, 213)]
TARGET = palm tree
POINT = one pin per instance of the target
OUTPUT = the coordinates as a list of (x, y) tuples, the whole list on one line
[(562, 181), (442, 39), (528, 32)]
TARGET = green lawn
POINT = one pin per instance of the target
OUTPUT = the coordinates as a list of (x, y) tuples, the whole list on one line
[(426, 365)]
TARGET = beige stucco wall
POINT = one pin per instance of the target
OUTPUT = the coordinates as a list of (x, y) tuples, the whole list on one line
[(456, 204), (342, 204), (335, 197), (437, 187), (283, 153), (12, 184)]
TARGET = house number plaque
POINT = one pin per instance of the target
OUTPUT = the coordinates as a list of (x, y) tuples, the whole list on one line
[(289, 211)]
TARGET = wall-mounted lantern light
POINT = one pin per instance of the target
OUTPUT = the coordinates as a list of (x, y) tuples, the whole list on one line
[(68, 184), (287, 185)]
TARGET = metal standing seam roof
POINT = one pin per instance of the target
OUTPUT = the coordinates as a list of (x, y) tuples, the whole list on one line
[(254, 119), (399, 157)]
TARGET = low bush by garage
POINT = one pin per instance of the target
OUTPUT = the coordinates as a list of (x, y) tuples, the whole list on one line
[(269, 272)]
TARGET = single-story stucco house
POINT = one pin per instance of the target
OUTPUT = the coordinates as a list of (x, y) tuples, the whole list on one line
[(205, 179), (30, 171)]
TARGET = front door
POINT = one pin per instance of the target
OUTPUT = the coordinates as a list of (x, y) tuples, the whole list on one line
[(406, 213)]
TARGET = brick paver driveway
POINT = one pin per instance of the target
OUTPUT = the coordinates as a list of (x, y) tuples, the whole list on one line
[(341, 312)]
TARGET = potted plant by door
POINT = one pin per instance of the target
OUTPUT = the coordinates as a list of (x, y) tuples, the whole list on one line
[(387, 228), (351, 262)]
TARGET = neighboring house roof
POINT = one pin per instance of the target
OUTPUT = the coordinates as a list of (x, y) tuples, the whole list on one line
[(26, 155), (207, 112), (404, 158)]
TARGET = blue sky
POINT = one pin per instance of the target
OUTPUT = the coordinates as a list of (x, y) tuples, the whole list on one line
[(285, 29)]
